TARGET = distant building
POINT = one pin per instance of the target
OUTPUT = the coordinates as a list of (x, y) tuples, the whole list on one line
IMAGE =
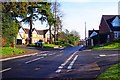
[(23, 35), (93, 37), (109, 28)]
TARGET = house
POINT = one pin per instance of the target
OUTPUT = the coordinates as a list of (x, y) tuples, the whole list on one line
[(23, 35), (93, 37), (109, 28)]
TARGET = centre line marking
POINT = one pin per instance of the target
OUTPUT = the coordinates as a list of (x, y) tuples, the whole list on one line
[(5, 70), (33, 60), (71, 64), (63, 64)]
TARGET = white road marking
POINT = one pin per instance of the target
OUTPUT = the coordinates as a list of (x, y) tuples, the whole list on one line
[(59, 55), (50, 54), (34, 54), (5, 70), (62, 65), (34, 60), (42, 55), (102, 55), (61, 51), (18, 57), (54, 53), (71, 64), (44, 51), (58, 71)]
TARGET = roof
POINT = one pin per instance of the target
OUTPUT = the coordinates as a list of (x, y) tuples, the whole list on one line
[(26, 30), (93, 34), (38, 31), (109, 19), (42, 31)]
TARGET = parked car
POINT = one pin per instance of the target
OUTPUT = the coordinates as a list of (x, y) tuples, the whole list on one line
[(39, 43)]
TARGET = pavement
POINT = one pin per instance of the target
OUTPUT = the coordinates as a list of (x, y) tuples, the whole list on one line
[(72, 63)]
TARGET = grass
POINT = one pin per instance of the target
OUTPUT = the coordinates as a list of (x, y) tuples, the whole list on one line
[(51, 45), (7, 51), (111, 73), (113, 45)]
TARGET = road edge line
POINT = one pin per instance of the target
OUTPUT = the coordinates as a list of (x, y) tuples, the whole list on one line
[(18, 57)]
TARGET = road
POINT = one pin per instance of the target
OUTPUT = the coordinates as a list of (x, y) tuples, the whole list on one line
[(69, 63)]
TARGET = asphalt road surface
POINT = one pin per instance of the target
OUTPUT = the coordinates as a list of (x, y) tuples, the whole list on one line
[(61, 64)]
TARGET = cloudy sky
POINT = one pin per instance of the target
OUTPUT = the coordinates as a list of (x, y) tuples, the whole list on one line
[(77, 12)]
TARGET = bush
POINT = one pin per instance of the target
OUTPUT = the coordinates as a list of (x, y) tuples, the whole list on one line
[(117, 40), (58, 42), (3, 41)]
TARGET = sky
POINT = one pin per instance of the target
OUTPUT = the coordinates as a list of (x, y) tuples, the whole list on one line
[(77, 12)]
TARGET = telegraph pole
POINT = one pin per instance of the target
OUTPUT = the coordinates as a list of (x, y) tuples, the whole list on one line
[(85, 35)]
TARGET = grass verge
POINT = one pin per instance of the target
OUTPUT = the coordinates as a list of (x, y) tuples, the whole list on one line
[(8, 51), (111, 73), (113, 45), (51, 45)]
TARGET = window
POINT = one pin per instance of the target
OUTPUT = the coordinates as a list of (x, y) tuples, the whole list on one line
[(119, 34), (115, 35), (116, 21)]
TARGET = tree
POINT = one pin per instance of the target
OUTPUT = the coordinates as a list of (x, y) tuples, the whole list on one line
[(69, 37), (38, 11), (27, 11), (58, 21), (9, 29)]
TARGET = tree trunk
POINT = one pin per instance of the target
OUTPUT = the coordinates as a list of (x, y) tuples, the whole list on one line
[(30, 32), (50, 35), (54, 32)]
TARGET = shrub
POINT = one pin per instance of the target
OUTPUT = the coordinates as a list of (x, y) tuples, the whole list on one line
[(3, 41), (58, 42)]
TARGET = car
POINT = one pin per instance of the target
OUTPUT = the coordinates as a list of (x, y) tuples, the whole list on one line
[(40, 44)]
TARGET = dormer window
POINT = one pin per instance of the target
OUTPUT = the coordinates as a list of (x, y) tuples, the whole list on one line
[(116, 22)]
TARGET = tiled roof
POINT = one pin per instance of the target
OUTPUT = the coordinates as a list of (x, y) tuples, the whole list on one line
[(26, 30), (38, 31), (109, 19)]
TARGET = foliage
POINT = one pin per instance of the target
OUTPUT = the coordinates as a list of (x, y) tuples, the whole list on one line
[(69, 37), (111, 73), (7, 51), (9, 29), (50, 45), (3, 41), (27, 11)]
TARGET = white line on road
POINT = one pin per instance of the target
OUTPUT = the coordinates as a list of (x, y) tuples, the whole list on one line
[(62, 65), (102, 55), (5, 70), (42, 55), (17, 57), (33, 60), (58, 71), (59, 55), (61, 51), (71, 64)]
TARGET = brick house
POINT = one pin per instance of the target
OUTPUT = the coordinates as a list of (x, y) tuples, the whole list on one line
[(23, 35), (109, 28)]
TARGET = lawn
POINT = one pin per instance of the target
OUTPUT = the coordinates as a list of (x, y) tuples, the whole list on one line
[(114, 45), (51, 45), (111, 73), (7, 51)]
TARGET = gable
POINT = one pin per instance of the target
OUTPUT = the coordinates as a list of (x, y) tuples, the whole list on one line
[(21, 30), (34, 32)]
